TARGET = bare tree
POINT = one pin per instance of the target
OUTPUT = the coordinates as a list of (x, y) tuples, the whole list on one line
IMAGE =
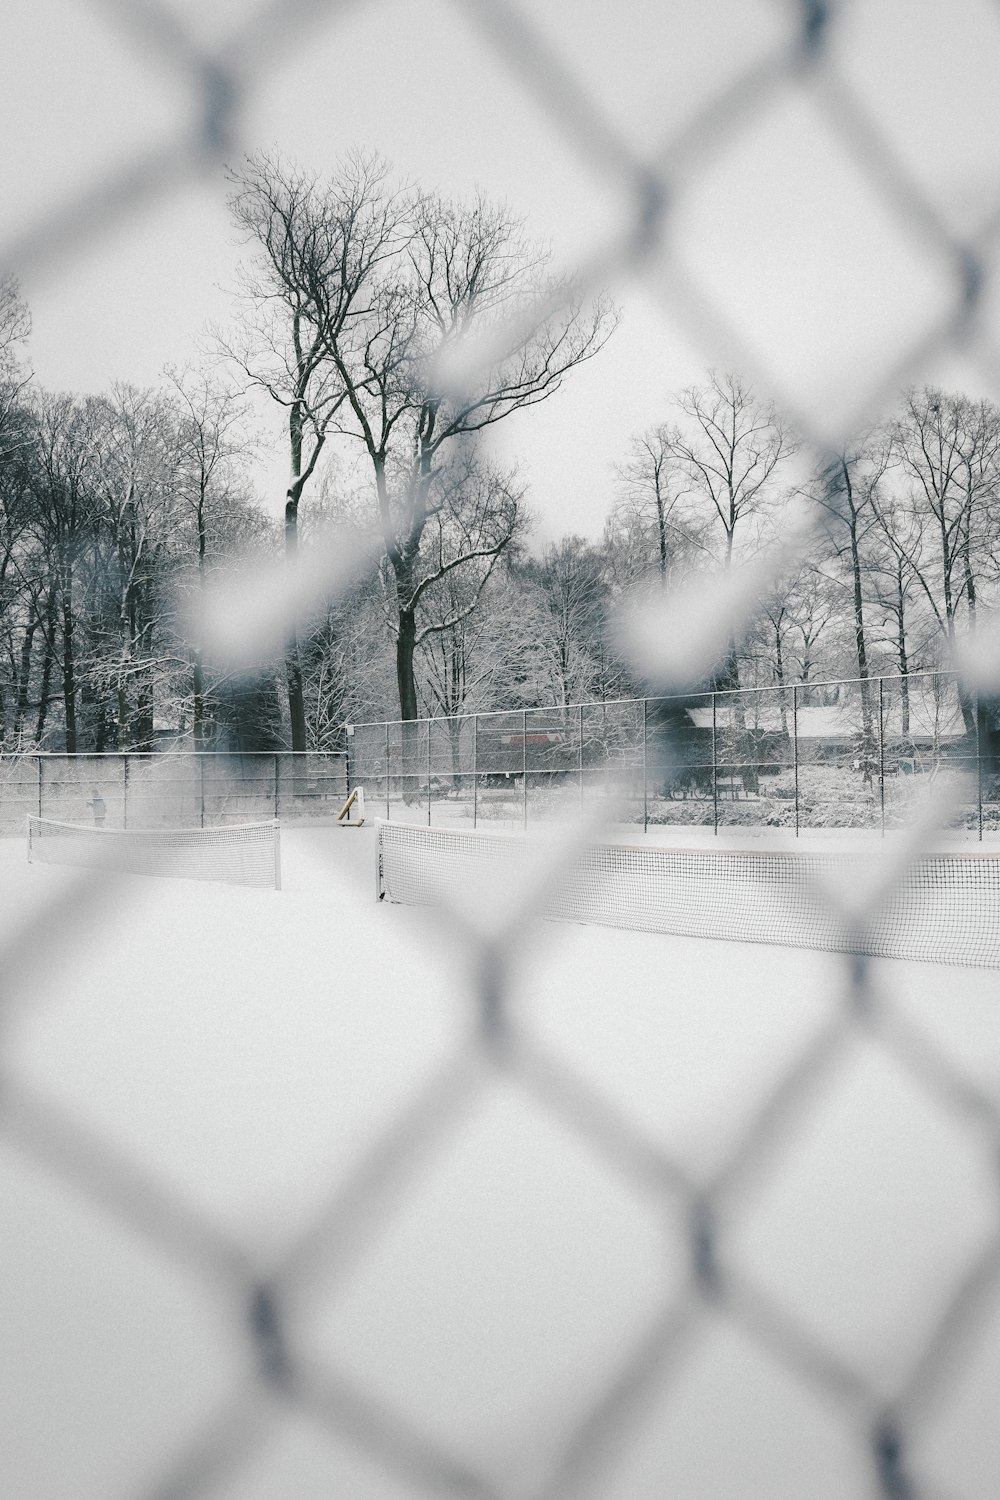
[(896, 596), (730, 446), (938, 513), (15, 326), (18, 602), (469, 293), (653, 486), (212, 443), (846, 490), (571, 616), (312, 290), (62, 459)]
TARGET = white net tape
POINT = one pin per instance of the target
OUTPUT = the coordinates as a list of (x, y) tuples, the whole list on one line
[(240, 854)]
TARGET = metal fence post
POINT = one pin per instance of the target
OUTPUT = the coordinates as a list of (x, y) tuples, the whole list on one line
[(387, 770), (475, 769), (201, 780), (881, 752), (125, 790), (524, 765), (429, 722), (795, 751), (277, 793), (715, 768), (645, 797)]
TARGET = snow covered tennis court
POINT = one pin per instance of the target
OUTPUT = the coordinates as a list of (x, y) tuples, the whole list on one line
[(199, 1073)]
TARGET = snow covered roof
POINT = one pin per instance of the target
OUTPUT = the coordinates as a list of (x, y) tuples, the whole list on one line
[(840, 721)]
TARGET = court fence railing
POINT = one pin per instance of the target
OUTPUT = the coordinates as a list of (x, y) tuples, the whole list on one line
[(841, 753), (177, 789)]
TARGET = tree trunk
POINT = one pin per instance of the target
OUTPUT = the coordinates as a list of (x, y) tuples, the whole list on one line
[(48, 665), (24, 678), (455, 735), (144, 720), (68, 663), (904, 666), (868, 746), (406, 682), (779, 677), (965, 698), (198, 700), (406, 685), (293, 662), (197, 660)]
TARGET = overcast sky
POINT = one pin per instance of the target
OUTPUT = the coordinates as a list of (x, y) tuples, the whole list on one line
[(806, 259)]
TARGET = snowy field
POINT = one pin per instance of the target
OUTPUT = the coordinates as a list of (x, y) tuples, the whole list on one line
[(693, 1226)]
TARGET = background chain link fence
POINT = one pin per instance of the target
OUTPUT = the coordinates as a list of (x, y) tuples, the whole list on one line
[(834, 1413), (797, 758)]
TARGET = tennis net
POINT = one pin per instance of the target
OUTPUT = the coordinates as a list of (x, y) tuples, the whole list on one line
[(944, 908), (240, 854)]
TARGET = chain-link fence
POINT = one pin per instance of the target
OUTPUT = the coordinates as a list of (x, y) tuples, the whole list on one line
[(510, 1276), (185, 789), (848, 754)]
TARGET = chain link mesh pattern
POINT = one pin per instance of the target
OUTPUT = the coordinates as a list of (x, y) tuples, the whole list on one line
[(873, 1417)]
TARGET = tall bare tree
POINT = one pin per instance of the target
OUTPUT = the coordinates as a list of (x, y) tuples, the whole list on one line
[(62, 460), (321, 251), (649, 508), (212, 443), (470, 329), (15, 326), (939, 510), (729, 446), (847, 490)]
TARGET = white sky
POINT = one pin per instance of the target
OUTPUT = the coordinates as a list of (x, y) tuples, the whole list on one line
[(778, 225)]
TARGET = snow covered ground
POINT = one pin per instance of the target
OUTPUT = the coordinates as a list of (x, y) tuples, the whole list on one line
[(481, 1258)]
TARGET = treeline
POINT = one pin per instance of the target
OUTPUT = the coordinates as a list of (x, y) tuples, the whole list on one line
[(903, 567), (391, 329), (904, 564), (114, 512)]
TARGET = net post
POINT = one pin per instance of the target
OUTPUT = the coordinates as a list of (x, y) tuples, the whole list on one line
[(475, 769), (795, 750)]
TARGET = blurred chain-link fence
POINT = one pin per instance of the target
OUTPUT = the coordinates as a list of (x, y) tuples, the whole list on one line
[(796, 1291)]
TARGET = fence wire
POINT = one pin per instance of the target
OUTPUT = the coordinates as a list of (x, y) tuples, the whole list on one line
[(873, 1421)]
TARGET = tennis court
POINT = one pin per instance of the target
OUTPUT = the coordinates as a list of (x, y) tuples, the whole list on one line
[(688, 1221)]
